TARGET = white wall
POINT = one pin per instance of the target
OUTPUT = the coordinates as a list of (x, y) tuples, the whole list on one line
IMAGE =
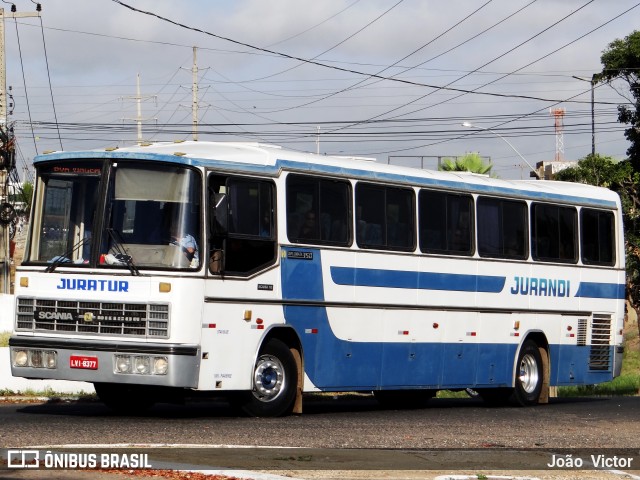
[(18, 385), (7, 311)]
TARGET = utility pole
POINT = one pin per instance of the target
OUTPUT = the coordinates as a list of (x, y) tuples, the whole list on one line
[(194, 95), (7, 150), (593, 82), (138, 98), (3, 65)]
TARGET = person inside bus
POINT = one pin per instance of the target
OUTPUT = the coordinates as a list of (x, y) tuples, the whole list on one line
[(188, 245), (186, 242), (309, 228)]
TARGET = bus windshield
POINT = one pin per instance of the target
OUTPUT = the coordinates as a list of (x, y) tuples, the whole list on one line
[(64, 212), (151, 217)]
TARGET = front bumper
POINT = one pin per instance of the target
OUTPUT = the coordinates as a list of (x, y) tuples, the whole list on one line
[(100, 361)]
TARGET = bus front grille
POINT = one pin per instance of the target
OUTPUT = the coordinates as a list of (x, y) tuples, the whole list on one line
[(147, 320)]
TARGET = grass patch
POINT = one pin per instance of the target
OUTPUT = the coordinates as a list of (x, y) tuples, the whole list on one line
[(48, 393), (625, 384), (631, 359), (628, 383), (452, 394), (4, 339)]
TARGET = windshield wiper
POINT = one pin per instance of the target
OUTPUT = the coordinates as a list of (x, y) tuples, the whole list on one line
[(121, 253), (64, 258)]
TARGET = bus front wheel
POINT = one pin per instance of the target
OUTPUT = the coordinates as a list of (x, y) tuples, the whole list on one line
[(273, 383), (529, 375)]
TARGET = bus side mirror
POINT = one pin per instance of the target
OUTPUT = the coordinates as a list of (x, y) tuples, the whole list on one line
[(215, 262)]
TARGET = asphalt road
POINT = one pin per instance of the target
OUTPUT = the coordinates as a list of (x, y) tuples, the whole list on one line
[(350, 431), (334, 422)]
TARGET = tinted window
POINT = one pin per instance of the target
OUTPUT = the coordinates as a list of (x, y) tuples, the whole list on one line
[(502, 228), (597, 237), (385, 217), (318, 210), (554, 233), (241, 225), (446, 223)]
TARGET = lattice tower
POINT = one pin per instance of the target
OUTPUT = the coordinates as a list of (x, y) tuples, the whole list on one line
[(558, 114)]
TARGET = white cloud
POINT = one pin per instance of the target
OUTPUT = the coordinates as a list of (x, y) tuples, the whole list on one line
[(91, 73)]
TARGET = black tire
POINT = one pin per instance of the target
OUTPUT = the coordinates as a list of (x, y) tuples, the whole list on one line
[(529, 375), (125, 399), (275, 378), (403, 399)]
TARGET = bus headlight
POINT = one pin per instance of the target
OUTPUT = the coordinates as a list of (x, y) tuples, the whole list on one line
[(123, 364), (20, 358), (35, 358), (160, 365), (141, 365), (50, 359)]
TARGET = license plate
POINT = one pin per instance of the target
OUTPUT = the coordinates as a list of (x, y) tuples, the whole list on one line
[(89, 363)]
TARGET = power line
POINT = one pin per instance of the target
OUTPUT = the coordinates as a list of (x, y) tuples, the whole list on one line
[(337, 44), (46, 58), (324, 65), (24, 81)]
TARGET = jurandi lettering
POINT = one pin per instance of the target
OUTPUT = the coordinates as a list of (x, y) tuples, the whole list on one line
[(93, 285), (541, 287)]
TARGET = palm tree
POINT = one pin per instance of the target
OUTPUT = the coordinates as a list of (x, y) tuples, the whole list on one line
[(470, 162)]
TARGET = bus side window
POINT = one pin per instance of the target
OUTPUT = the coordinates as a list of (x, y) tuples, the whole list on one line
[(597, 235), (318, 210), (554, 232), (446, 222), (385, 217), (502, 228)]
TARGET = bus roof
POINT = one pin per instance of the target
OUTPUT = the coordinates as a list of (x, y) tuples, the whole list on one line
[(271, 159)]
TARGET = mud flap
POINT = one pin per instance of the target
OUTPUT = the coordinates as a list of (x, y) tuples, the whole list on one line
[(546, 372), (297, 403)]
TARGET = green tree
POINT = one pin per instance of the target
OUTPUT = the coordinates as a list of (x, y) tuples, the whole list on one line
[(622, 178), (27, 194), (621, 60), (470, 162), (597, 169), (23, 194)]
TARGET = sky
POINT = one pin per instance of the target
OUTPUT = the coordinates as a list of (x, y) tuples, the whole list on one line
[(389, 79)]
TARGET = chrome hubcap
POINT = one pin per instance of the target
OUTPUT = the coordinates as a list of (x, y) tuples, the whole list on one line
[(268, 378), (529, 374)]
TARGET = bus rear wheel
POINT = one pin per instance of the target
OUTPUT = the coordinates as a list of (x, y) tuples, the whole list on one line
[(529, 375), (273, 383)]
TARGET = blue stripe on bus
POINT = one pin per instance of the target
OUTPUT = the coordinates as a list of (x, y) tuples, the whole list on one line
[(601, 290), (369, 277), (333, 364)]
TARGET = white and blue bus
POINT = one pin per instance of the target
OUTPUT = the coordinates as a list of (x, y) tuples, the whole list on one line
[(259, 273)]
